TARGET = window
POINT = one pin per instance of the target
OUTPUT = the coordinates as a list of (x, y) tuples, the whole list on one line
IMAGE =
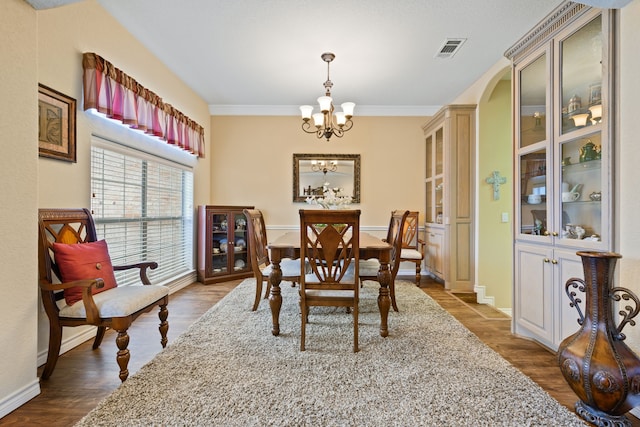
[(143, 207)]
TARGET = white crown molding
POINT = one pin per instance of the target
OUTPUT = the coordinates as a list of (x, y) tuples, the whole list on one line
[(293, 110)]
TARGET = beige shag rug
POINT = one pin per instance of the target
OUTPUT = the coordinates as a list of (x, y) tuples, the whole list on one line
[(228, 369)]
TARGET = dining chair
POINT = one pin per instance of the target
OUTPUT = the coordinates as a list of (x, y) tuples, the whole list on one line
[(369, 268), (260, 261), (329, 240), (78, 285), (412, 245)]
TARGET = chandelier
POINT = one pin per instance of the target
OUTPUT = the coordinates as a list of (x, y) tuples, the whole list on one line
[(327, 122), (324, 166)]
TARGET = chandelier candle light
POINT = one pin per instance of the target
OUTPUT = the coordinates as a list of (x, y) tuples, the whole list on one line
[(328, 122), (324, 166)]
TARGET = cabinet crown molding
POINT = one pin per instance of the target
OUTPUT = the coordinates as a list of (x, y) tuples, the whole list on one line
[(549, 26)]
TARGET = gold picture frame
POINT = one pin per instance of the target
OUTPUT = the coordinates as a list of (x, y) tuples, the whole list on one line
[(56, 125), (346, 175)]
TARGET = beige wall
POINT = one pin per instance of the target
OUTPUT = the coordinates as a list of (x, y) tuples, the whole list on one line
[(392, 156), (495, 238), (18, 232), (63, 35)]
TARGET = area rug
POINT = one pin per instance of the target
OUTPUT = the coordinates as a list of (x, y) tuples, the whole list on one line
[(228, 369)]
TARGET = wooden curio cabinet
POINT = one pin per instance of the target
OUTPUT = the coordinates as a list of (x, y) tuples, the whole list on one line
[(223, 244)]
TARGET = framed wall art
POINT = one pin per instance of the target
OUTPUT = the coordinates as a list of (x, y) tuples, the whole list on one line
[(56, 125)]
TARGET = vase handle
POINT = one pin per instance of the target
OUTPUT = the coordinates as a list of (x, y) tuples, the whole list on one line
[(574, 282), (629, 312)]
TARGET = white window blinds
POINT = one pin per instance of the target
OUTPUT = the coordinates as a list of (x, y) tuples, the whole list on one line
[(143, 208)]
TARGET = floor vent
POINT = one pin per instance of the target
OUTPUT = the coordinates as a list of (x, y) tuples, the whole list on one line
[(450, 48)]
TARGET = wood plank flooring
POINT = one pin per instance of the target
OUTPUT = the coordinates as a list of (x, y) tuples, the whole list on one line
[(83, 376)]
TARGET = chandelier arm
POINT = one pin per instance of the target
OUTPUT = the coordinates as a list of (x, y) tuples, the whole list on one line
[(306, 126)]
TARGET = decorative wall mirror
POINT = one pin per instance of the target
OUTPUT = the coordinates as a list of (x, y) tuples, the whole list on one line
[(313, 173)]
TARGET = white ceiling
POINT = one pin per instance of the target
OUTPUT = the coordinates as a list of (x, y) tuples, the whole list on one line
[(263, 56)]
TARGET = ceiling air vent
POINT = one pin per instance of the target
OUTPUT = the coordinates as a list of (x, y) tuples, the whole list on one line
[(450, 48)]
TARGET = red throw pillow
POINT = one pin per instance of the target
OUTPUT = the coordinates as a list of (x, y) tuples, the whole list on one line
[(84, 261)]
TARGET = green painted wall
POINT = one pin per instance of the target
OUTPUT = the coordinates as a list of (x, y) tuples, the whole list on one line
[(495, 247)]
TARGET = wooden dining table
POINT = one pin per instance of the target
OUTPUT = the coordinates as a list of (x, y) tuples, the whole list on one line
[(288, 246)]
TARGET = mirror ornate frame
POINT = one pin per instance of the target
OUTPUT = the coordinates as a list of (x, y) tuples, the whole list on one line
[(307, 182)]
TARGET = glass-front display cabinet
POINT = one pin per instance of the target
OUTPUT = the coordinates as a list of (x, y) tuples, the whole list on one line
[(449, 180), (223, 244), (563, 81), (562, 139)]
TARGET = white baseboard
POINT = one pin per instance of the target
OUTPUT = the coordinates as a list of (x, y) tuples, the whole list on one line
[(483, 298), (507, 311), (20, 397), (82, 334)]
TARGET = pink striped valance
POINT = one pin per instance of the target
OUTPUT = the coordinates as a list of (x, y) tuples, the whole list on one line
[(120, 97)]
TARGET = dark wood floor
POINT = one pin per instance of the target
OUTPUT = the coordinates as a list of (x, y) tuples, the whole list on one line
[(83, 376)]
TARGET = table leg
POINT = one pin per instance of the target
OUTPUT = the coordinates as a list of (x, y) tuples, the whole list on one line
[(275, 297), (384, 302)]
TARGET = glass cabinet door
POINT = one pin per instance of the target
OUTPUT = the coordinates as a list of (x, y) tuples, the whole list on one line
[(429, 146), (533, 102), (533, 193), (439, 200), (240, 253), (533, 146), (439, 155), (219, 252), (434, 181), (581, 77), (429, 213), (581, 186)]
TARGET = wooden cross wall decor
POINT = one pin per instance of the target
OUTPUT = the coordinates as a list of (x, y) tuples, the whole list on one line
[(496, 180)]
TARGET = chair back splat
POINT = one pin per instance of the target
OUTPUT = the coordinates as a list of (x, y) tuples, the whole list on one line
[(260, 261), (412, 244), (369, 268), (73, 265), (329, 241)]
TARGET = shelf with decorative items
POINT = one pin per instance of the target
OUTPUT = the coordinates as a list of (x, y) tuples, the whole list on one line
[(223, 244), (563, 126)]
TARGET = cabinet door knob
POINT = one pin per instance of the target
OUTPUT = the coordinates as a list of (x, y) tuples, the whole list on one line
[(546, 233), (555, 261), (555, 233), (546, 260)]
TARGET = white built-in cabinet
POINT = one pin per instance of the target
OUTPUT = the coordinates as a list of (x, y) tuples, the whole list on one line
[(563, 80), (449, 184)]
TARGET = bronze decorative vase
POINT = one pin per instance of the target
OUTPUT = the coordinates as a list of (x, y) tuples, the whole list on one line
[(600, 368)]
